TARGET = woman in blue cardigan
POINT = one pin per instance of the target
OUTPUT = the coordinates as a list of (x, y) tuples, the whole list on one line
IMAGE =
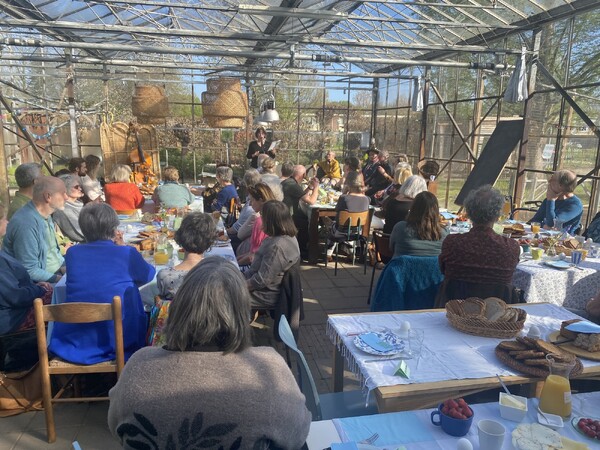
[(97, 271)]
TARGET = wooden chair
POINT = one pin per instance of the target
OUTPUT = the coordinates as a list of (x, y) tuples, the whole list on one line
[(383, 254), (355, 228), (74, 313)]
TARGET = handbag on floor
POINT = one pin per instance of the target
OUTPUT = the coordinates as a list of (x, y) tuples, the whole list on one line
[(20, 392)]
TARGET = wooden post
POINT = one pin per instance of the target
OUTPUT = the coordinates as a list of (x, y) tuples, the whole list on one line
[(4, 193)]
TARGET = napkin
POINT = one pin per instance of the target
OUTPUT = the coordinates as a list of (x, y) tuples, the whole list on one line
[(375, 342), (393, 428), (583, 327)]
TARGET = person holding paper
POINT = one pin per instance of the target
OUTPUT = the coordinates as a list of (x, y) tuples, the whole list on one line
[(260, 146)]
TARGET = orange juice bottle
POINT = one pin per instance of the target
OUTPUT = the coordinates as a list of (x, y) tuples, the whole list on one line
[(556, 393)]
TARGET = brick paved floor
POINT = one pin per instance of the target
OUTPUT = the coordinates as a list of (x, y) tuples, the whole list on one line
[(324, 294)]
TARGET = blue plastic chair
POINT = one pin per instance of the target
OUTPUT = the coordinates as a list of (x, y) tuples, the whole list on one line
[(324, 406)]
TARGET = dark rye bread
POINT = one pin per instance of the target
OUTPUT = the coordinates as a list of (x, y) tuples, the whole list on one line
[(512, 346)]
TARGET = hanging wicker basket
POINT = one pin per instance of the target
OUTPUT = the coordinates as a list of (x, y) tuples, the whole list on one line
[(149, 102), (224, 104), (217, 85)]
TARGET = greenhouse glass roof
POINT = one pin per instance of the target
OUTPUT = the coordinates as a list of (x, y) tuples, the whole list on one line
[(213, 36)]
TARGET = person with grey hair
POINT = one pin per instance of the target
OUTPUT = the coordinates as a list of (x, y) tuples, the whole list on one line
[(30, 235), (67, 219), (560, 204), (98, 270), (123, 195), (287, 168), (268, 174), (242, 229), (209, 375), (481, 262), (25, 176), (396, 208), (224, 179)]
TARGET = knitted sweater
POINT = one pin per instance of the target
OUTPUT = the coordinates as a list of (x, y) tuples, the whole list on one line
[(204, 399)]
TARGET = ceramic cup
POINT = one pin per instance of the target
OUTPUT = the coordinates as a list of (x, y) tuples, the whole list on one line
[(576, 257), (450, 425), (491, 434), (536, 253)]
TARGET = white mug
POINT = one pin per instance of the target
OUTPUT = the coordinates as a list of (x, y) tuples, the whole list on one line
[(491, 434)]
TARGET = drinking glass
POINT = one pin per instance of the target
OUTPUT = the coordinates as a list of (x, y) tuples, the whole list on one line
[(415, 343), (559, 224), (535, 227)]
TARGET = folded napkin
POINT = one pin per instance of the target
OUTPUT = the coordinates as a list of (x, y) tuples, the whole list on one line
[(584, 327), (393, 428), (374, 341)]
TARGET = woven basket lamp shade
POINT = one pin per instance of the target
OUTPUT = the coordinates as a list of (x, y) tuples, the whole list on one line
[(150, 104), (224, 104)]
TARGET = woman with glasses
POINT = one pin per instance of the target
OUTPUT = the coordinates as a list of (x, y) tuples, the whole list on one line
[(68, 218)]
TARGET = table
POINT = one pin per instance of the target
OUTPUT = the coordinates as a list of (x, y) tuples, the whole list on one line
[(453, 364), (571, 288), (323, 433)]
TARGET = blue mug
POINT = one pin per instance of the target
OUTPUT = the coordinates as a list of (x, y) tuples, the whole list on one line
[(450, 425)]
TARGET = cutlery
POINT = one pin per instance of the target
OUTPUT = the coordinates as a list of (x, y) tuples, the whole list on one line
[(370, 440), (503, 385)]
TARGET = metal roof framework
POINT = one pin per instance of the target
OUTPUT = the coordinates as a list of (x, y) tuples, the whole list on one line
[(373, 38)]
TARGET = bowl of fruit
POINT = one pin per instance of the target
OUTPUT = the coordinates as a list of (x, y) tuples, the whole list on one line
[(588, 426), (454, 416)]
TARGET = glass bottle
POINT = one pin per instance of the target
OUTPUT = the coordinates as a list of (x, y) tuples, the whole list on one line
[(556, 393)]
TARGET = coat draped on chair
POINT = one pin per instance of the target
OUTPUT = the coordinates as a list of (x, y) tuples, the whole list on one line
[(408, 282)]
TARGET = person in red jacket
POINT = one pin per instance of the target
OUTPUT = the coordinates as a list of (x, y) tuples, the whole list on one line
[(121, 194)]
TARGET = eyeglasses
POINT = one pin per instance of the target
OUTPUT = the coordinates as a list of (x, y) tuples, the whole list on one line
[(77, 187)]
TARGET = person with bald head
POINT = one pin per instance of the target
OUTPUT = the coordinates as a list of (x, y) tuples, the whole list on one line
[(561, 203), (30, 235), (294, 196)]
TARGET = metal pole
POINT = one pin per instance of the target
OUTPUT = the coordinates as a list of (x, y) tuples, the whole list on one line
[(71, 101)]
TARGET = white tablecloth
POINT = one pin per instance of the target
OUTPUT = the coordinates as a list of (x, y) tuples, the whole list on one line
[(448, 354), (322, 434), (571, 288)]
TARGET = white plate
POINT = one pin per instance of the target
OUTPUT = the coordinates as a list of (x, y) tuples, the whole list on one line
[(562, 265), (387, 337)]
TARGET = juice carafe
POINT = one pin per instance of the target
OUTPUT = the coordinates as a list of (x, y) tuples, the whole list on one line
[(556, 393)]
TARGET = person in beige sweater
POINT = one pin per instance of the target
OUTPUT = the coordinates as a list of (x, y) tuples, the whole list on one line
[(208, 388)]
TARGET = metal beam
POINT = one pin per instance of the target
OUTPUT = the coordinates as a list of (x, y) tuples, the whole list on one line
[(243, 54), (246, 36)]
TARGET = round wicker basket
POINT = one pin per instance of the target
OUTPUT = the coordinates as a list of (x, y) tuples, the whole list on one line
[(224, 122), (149, 101), (224, 104), (481, 326)]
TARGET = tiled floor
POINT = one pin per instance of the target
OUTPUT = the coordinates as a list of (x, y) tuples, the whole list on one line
[(324, 294)]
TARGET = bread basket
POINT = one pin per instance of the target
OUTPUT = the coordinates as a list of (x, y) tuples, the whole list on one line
[(479, 325)]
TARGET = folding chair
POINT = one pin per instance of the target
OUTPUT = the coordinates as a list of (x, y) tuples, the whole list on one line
[(383, 254), (355, 227), (324, 406), (74, 313)]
